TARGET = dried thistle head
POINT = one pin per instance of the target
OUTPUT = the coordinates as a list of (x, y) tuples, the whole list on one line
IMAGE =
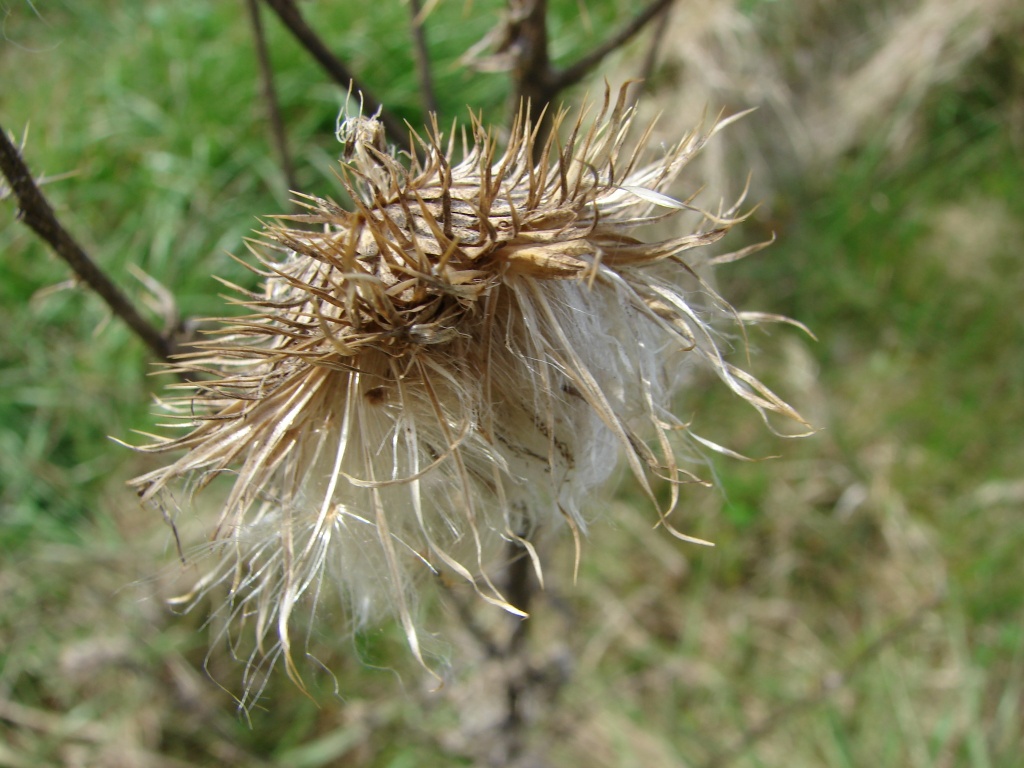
[(456, 362)]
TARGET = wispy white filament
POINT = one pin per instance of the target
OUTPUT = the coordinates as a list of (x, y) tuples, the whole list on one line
[(456, 363)]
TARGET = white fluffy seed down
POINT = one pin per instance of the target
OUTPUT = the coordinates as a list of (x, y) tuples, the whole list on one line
[(456, 363)]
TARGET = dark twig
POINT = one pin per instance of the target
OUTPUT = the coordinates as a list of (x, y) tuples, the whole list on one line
[(521, 586), (653, 50), (576, 72), (535, 82), (422, 55), (527, 42), (38, 215), (270, 95), (289, 14), (826, 687)]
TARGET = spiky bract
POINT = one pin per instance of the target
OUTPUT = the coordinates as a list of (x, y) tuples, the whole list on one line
[(456, 362)]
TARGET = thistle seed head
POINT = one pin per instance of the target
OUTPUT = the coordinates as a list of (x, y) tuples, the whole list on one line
[(455, 362)]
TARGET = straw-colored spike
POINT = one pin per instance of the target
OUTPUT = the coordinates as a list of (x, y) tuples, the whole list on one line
[(455, 363)]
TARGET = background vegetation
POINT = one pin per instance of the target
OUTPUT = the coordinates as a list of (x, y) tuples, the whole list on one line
[(863, 605)]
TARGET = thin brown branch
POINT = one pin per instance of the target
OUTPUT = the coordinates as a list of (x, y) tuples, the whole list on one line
[(290, 16), (269, 93), (826, 687), (576, 72), (653, 50), (536, 83), (527, 42), (38, 215), (531, 66), (521, 587), (421, 53)]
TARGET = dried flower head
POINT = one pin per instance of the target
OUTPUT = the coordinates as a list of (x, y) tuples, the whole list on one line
[(456, 362)]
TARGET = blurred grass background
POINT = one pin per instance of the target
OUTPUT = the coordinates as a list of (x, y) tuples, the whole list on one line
[(888, 153)]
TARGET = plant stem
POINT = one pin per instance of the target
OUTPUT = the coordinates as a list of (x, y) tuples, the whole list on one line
[(518, 671), (576, 72), (269, 93), (422, 54), (38, 215), (289, 14), (653, 49), (536, 83)]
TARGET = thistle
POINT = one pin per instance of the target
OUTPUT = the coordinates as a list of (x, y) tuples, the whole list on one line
[(455, 363)]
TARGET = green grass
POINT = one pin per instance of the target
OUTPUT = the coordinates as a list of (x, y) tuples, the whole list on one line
[(905, 265)]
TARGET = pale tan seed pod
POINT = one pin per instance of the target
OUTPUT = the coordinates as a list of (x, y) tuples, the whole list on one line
[(458, 361)]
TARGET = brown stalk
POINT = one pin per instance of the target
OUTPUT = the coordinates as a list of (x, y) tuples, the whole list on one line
[(653, 49), (535, 81), (576, 72), (422, 55), (269, 93), (532, 74), (521, 587), (38, 215), (290, 16)]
